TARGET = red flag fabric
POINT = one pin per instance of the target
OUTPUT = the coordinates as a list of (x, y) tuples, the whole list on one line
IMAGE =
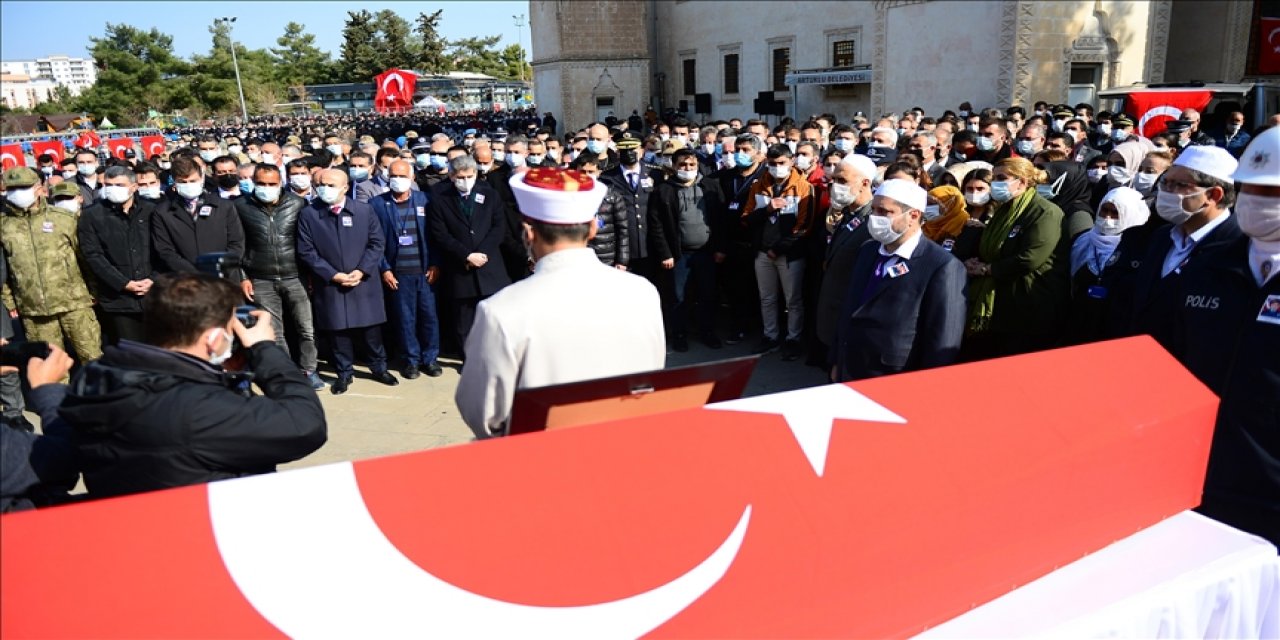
[(1152, 110), (118, 146), (88, 140), (51, 147), (395, 90), (1269, 46), (11, 156), (152, 145)]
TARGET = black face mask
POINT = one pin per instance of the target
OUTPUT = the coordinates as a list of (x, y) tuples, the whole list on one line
[(228, 181), (628, 157)]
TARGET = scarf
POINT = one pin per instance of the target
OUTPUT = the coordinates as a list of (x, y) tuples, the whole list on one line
[(1092, 249), (982, 289), (954, 216)]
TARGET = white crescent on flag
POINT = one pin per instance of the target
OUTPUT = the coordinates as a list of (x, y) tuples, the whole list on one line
[(1154, 112), (304, 550), (399, 81), (8, 160), (155, 148)]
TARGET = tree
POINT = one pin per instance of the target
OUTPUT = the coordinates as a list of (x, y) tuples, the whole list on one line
[(476, 55), (137, 70), (298, 61), (393, 35), (431, 47), (514, 66), (213, 77), (359, 60), (60, 101)]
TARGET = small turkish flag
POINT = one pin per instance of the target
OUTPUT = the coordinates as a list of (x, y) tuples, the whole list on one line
[(11, 156), (152, 146), (88, 140), (52, 147), (1269, 46), (118, 146)]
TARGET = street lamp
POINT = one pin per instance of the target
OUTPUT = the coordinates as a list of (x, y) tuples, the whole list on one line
[(520, 41), (244, 111)]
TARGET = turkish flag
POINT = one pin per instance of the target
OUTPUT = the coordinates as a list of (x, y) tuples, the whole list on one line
[(51, 147), (118, 146), (1151, 110), (11, 156), (152, 145), (88, 140), (1269, 46), (395, 90)]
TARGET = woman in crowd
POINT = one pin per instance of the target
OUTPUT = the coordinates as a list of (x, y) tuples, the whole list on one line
[(976, 188), (1153, 166), (1012, 299), (1121, 209), (946, 222), (1122, 167)]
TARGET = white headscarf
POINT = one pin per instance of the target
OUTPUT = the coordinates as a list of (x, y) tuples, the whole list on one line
[(1092, 249)]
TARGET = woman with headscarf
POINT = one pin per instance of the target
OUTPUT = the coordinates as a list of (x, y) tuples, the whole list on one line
[(1122, 167), (1091, 256), (1012, 302), (946, 222)]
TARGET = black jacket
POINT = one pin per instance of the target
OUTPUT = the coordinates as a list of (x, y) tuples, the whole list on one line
[(611, 242), (636, 203), (270, 236), (665, 240), (37, 470), (179, 238), (145, 418), (459, 235), (842, 251), (514, 256), (117, 249)]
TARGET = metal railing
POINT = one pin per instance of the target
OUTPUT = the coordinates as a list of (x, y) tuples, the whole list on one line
[(62, 135)]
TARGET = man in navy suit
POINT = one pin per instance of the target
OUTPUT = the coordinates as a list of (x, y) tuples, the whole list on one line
[(409, 269), (467, 223), (340, 241), (905, 306)]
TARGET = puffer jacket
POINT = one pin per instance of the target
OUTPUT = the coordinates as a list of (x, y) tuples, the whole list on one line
[(611, 243), (42, 249), (270, 236)]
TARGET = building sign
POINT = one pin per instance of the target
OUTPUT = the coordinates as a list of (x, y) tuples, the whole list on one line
[(852, 76)]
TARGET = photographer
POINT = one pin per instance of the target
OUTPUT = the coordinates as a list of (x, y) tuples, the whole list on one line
[(38, 470), (165, 413)]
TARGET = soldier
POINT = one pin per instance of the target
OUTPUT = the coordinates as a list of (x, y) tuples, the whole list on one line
[(45, 285)]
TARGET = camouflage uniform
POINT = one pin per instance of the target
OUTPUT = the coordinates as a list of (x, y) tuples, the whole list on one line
[(45, 281)]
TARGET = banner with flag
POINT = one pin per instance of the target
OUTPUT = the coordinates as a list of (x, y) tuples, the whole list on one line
[(88, 140), (1152, 110), (1269, 45), (118, 146), (11, 156), (395, 91), (52, 147), (151, 146)]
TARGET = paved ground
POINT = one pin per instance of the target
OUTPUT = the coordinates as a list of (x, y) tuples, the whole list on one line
[(375, 420)]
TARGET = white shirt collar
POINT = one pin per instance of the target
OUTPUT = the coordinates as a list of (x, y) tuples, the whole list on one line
[(907, 248), (1180, 238)]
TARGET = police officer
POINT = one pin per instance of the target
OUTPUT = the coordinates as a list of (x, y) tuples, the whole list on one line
[(45, 284), (1229, 325)]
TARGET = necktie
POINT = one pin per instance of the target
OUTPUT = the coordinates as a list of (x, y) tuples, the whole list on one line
[(336, 209), (876, 277), (632, 178), (191, 207)]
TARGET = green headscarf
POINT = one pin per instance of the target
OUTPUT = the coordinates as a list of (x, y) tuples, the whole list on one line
[(982, 289)]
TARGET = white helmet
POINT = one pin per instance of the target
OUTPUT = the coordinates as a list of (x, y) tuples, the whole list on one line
[(1260, 163)]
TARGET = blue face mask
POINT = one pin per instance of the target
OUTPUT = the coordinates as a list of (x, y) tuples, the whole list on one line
[(439, 162), (595, 146), (359, 174), (422, 160), (246, 186), (743, 159), (1000, 191)]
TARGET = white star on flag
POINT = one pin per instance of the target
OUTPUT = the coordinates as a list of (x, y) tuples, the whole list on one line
[(811, 414)]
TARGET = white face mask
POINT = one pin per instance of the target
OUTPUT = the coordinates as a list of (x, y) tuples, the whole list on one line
[(116, 194), (329, 195), (268, 158), (234, 149), (218, 358), (300, 181), (266, 194), (189, 190), (1258, 216), (804, 162), (686, 176), (464, 185), (841, 195), (21, 198), (881, 229), (70, 205), (499, 156), (150, 193), (1107, 226), (69, 175), (931, 212), (1096, 175), (977, 198), (1169, 206), (208, 155), (779, 173), (1118, 175), (1144, 181), (400, 184)]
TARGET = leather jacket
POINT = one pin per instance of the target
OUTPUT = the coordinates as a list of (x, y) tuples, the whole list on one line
[(271, 236)]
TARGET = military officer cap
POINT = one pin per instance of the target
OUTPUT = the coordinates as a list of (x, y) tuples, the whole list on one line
[(20, 178), (64, 189), (1123, 121)]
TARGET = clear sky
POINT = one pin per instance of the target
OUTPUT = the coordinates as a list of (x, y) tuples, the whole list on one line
[(36, 29)]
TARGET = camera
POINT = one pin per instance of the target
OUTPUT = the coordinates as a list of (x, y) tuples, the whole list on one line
[(16, 354), (221, 265)]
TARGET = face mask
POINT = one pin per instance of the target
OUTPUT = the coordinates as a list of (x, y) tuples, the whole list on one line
[(1104, 128), (149, 193), (1233, 127), (48, 171), (1119, 135), (87, 170), (1258, 216), (1000, 191), (663, 161), (709, 148), (881, 229), (664, 137), (1096, 175), (499, 156), (650, 157), (1169, 206), (300, 182), (189, 190), (329, 195), (70, 205), (554, 154), (254, 156), (985, 144), (1118, 175), (116, 194), (21, 198), (683, 140), (844, 144), (1025, 148), (1058, 124), (266, 194), (69, 175), (317, 145), (535, 160), (804, 162), (208, 155), (335, 149), (219, 358), (964, 113), (515, 160), (268, 158), (932, 212), (973, 127), (464, 185), (485, 168), (1045, 191), (742, 159), (1144, 181), (779, 173), (1107, 226), (359, 174), (628, 158), (422, 160), (977, 198), (686, 176), (841, 195), (595, 146), (234, 149), (246, 185), (791, 144), (400, 184)]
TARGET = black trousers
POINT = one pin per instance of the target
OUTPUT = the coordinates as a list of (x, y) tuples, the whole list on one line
[(122, 326), (464, 315), (344, 349)]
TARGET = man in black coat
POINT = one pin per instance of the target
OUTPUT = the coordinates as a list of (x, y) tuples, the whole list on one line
[(634, 182), (905, 306), (164, 413), (115, 240), (850, 194), (192, 222), (468, 222)]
